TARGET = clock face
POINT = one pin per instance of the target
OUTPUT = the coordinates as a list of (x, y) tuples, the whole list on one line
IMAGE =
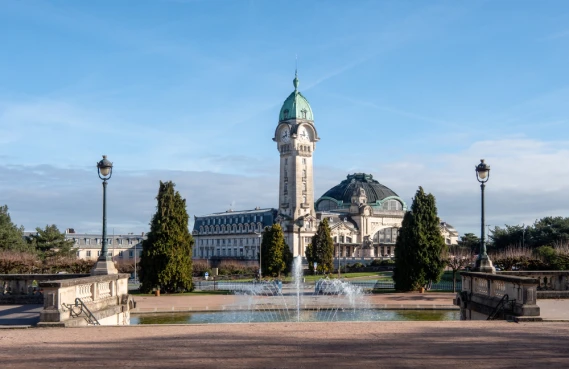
[(303, 134), (285, 135)]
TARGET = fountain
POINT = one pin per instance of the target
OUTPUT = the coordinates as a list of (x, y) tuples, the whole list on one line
[(296, 304), (267, 302)]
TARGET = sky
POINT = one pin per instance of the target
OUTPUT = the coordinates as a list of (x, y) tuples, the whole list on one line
[(413, 92)]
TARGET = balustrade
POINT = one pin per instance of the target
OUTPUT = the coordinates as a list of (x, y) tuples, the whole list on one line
[(481, 292)]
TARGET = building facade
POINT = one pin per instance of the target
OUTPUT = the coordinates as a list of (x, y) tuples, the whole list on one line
[(364, 215), (231, 234), (122, 248)]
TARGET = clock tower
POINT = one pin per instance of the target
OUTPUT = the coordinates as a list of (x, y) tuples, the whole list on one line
[(296, 138)]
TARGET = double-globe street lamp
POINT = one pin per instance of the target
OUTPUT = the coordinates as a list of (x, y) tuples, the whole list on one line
[(483, 262), (104, 264)]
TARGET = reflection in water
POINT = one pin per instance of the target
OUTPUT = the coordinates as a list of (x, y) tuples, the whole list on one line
[(305, 316)]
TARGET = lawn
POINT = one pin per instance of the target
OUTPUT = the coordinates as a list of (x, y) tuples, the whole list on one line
[(384, 276)]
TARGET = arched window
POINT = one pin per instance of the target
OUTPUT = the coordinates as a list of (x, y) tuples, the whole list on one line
[(327, 205)]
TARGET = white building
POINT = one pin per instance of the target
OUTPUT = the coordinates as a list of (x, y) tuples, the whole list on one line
[(364, 215)]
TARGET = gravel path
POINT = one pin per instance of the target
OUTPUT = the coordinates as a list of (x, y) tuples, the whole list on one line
[(455, 344)]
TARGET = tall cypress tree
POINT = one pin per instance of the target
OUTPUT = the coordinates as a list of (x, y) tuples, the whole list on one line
[(420, 246), (275, 252), (166, 259), (322, 249)]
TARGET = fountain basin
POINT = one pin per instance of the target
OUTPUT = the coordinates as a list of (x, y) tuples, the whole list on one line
[(321, 315)]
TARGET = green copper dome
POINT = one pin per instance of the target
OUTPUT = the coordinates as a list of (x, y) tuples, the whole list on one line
[(296, 106)]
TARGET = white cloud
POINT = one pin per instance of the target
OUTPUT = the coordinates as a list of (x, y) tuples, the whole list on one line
[(528, 181)]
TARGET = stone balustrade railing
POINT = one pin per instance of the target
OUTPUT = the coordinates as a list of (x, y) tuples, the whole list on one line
[(21, 289), (550, 283), (105, 296), (482, 293)]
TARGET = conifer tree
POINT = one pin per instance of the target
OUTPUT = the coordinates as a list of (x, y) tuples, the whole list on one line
[(11, 236), (322, 249), (51, 242), (275, 252), (166, 260), (420, 247)]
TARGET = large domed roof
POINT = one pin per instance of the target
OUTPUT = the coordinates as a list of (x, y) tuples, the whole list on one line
[(296, 106), (374, 190)]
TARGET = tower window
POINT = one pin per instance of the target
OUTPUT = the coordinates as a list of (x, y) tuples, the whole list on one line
[(285, 114), (303, 111)]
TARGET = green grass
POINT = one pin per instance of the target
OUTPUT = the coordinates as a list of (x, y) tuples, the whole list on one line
[(138, 293), (359, 275)]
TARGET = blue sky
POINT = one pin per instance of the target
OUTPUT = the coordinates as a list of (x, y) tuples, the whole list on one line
[(413, 92)]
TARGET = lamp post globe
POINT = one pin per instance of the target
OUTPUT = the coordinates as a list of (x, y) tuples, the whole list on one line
[(483, 262), (104, 264)]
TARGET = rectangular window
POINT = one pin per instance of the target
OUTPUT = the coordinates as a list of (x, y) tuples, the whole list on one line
[(88, 253), (78, 254), (120, 254), (99, 253), (109, 241), (130, 254), (87, 241)]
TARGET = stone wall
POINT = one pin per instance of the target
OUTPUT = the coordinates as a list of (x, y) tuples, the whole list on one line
[(551, 284), (24, 289), (484, 294)]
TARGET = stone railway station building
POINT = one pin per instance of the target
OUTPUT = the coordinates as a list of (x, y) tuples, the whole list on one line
[(363, 214)]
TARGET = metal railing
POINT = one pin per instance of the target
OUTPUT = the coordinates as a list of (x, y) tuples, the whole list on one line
[(78, 309), (501, 307), (365, 285)]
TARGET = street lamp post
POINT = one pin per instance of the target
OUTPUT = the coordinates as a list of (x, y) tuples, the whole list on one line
[(339, 253), (483, 262), (104, 264), (300, 225), (260, 235), (135, 255)]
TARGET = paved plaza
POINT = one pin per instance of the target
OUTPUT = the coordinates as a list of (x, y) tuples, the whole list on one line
[(451, 344), (473, 344)]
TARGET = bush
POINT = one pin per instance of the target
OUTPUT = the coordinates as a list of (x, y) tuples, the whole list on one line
[(200, 268), (386, 262)]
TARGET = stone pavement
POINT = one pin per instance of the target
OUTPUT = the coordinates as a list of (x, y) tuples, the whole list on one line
[(19, 314), (450, 344)]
